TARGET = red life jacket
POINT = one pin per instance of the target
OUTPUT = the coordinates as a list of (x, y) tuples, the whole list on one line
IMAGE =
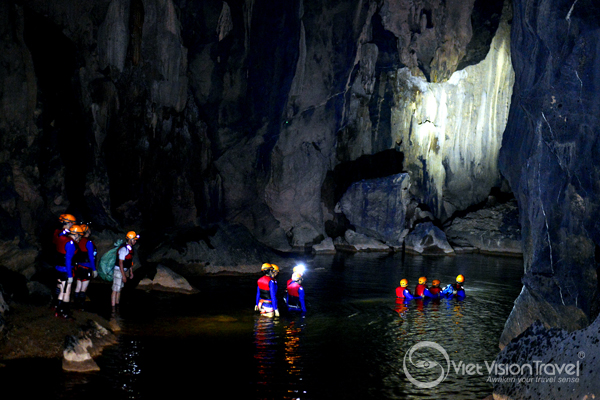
[(435, 290), (62, 259), (128, 261), (293, 288), (60, 241), (82, 255), (400, 292), (263, 286), (420, 289)]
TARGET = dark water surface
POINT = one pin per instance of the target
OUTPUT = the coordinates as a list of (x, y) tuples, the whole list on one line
[(351, 344)]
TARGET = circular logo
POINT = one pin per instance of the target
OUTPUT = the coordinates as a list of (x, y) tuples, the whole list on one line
[(427, 364)]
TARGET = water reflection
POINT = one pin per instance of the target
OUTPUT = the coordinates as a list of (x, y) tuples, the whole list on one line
[(129, 371), (279, 356), (350, 344)]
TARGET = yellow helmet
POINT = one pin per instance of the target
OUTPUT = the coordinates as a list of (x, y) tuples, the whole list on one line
[(275, 267), (460, 279), (76, 229), (422, 280), (436, 282), (132, 235), (67, 218), (403, 283), (266, 266)]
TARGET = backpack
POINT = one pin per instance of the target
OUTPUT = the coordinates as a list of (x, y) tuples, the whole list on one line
[(107, 262)]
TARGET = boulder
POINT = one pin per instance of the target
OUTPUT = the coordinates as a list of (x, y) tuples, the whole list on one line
[(226, 248), (167, 280), (377, 207), (325, 247), (427, 239), (492, 230), (80, 349), (357, 242), (39, 293)]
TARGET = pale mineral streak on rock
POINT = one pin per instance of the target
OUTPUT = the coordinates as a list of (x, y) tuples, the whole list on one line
[(451, 132)]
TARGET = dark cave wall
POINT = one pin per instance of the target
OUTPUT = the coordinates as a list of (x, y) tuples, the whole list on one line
[(207, 111), (164, 114), (550, 155)]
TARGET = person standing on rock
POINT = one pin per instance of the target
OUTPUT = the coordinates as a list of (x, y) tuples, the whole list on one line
[(86, 266), (61, 234), (266, 292), (65, 272), (123, 267)]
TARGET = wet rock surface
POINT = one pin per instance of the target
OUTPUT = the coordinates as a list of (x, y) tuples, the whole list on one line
[(167, 280), (549, 155), (427, 239), (378, 207), (494, 229), (555, 364), (79, 349)]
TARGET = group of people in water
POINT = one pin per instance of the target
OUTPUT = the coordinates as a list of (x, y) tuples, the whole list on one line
[(266, 292), (75, 260), (434, 292)]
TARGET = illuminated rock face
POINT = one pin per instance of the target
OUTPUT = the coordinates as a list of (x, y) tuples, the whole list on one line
[(551, 157), (451, 132)]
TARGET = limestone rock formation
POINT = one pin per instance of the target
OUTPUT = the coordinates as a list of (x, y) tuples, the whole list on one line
[(228, 247), (378, 207), (325, 247), (356, 242), (494, 229), (80, 350), (554, 364), (550, 157), (190, 114), (167, 280), (451, 132), (427, 239)]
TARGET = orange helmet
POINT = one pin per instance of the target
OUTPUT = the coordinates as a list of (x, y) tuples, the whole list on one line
[(460, 279), (85, 228), (436, 282), (132, 235), (403, 283), (422, 280), (64, 218), (266, 266), (275, 267), (76, 229)]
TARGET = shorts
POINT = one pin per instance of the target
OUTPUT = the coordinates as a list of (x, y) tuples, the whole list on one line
[(117, 280), (83, 273), (62, 276), (265, 306)]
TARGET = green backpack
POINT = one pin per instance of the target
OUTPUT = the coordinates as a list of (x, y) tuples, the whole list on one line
[(108, 261)]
